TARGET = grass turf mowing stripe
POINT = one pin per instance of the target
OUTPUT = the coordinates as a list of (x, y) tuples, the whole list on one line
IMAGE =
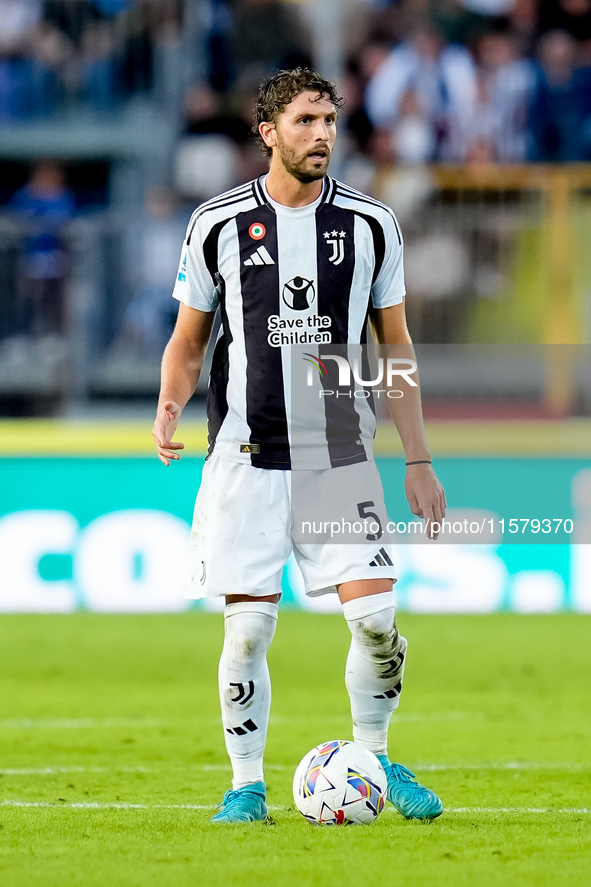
[(165, 668)]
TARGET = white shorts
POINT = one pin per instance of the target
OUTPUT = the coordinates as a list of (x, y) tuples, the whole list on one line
[(242, 537)]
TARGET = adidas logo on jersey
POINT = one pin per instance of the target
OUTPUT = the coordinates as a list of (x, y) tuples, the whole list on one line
[(382, 559), (261, 256)]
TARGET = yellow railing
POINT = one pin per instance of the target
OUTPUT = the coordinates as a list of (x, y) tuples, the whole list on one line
[(22, 438), (564, 320), (562, 300)]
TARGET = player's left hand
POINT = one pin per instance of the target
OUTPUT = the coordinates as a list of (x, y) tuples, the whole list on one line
[(425, 495)]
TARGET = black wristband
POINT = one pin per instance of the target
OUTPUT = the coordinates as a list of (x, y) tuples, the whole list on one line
[(420, 462)]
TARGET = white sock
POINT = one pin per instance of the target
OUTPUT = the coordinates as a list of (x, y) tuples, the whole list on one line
[(245, 686), (375, 666)]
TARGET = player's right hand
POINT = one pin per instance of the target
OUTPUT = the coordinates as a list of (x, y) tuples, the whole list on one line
[(167, 419)]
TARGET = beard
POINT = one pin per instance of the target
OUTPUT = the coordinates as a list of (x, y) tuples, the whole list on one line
[(298, 165)]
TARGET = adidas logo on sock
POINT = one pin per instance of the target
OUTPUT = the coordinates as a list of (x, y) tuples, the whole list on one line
[(240, 731), (390, 694), (381, 559), (261, 256)]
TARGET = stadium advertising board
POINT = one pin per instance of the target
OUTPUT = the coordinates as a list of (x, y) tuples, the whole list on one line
[(111, 535)]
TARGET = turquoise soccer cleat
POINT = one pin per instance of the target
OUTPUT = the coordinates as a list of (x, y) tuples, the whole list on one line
[(411, 799), (246, 804)]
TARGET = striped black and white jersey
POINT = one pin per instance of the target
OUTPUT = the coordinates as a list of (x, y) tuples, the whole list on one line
[(289, 282)]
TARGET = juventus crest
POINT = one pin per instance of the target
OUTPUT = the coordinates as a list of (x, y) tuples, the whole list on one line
[(336, 239)]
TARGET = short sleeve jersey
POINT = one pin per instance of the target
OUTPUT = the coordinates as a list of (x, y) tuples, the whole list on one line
[(285, 280)]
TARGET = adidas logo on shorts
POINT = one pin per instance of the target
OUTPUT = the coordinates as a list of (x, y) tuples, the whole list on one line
[(261, 256), (382, 559)]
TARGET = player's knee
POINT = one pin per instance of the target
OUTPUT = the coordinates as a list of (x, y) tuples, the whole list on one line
[(377, 633), (372, 622), (249, 634), (247, 637)]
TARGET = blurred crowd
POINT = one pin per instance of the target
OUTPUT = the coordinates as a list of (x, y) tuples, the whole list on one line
[(442, 80), (472, 80), (451, 81), (57, 52)]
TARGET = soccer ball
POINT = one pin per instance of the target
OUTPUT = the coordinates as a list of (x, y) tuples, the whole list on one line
[(340, 783)]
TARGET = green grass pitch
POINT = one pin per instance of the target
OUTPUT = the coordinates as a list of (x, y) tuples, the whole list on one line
[(100, 711)]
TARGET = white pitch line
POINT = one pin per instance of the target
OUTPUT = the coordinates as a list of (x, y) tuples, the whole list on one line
[(518, 810), (397, 718), (50, 771), (129, 723), (225, 768), (510, 765), (92, 805), (215, 768), (507, 765), (436, 716), (78, 723)]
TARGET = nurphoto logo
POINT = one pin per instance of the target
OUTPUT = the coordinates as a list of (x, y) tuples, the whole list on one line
[(387, 371)]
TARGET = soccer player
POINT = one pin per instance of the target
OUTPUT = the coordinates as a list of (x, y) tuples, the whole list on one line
[(293, 244)]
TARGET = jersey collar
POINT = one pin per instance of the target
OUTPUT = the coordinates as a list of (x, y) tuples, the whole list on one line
[(263, 198)]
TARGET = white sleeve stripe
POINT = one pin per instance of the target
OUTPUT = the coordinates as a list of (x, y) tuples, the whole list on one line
[(218, 206), (346, 191), (354, 196), (215, 200)]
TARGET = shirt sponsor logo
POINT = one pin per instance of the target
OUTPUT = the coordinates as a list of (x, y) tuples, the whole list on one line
[(299, 293), (310, 330), (183, 269)]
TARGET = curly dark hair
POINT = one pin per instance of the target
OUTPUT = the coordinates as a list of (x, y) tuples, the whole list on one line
[(282, 88)]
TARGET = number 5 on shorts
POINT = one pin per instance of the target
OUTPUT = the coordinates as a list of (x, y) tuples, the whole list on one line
[(370, 515)]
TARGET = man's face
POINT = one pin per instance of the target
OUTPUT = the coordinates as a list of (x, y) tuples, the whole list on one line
[(304, 136)]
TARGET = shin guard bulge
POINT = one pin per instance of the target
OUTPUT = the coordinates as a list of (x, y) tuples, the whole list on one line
[(245, 686), (375, 666)]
